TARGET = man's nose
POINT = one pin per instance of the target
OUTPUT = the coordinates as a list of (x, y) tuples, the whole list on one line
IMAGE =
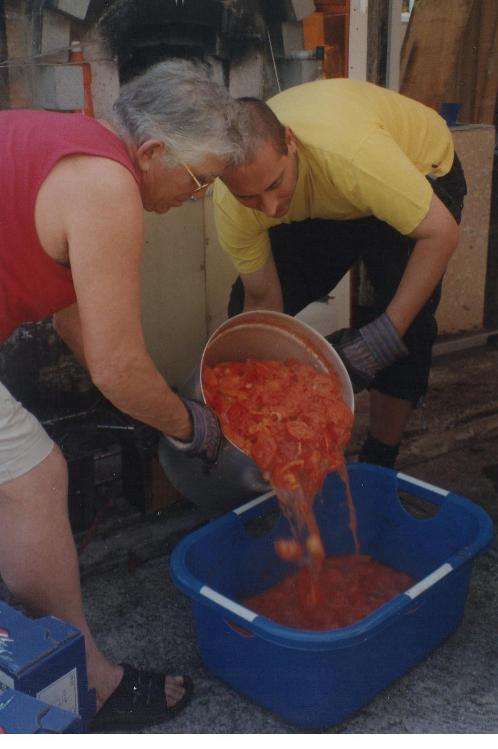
[(269, 204)]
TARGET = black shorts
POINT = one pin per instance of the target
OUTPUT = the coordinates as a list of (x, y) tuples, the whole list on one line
[(309, 267)]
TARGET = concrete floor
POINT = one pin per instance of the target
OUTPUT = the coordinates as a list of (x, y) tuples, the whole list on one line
[(138, 615)]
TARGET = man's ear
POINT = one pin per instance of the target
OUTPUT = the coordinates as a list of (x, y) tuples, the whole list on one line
[(290, 141), (148, 151)]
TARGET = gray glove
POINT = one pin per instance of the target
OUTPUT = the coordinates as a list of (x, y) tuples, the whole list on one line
[(207, 435), (368, 350)]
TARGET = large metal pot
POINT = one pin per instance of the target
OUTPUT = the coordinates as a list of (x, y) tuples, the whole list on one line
[(235, 478)]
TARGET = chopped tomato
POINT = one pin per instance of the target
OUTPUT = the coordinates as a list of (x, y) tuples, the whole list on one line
[(293, 422), (264, 450), (274, 410)]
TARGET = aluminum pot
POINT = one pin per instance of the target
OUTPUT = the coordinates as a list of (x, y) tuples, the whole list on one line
[(235, 478)]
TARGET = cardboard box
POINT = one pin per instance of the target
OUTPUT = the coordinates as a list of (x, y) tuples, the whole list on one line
[(20, 713), (45, 658)]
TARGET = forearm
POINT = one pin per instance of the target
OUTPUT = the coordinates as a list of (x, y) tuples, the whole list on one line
[(262, 289), (423, 272), (270, 301), (136, 387), (128, 379)]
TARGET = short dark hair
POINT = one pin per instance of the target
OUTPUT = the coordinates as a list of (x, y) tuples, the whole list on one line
[(259, 124)]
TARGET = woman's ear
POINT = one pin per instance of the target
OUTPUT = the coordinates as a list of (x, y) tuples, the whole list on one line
[(149, 151)]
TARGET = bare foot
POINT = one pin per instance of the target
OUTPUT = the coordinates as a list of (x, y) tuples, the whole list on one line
[(173, 689)]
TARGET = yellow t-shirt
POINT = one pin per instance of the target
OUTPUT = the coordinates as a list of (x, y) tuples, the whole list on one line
[(362, 150)]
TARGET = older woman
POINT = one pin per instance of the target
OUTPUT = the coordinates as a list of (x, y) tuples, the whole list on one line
[(71, 233)]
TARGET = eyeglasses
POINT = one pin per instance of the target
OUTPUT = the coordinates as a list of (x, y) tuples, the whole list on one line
[(198, 184)]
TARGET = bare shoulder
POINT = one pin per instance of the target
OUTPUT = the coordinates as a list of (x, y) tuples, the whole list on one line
[(89, 194), (91, 177)]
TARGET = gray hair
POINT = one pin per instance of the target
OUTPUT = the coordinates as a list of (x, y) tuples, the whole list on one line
[(176, 102)]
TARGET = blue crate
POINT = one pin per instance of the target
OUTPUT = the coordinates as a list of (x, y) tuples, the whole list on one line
[(20, 713), (45, 658), (317, 679)]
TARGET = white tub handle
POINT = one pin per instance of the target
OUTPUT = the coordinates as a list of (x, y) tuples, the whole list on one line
[(253, 503), (429, 581), (228, 604)]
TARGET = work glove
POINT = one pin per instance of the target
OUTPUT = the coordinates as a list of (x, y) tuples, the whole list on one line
[(367, 351), (207, 435)]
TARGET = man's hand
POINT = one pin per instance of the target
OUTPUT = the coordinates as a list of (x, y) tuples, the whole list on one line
[(207, 436), (368, 350)]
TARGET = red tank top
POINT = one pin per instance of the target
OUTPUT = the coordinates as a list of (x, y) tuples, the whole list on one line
[(32, 284)]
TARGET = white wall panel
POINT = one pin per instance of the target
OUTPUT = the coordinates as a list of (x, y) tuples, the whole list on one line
[(173, 290)]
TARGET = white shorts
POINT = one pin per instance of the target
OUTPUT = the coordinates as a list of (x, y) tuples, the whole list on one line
[(23, 441)]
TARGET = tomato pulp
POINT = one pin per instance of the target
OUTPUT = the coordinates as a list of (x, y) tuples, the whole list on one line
[(344, 590), (293, 422)]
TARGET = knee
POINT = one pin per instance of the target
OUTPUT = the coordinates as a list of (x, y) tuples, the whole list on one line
[(378, 453), (57, 471)]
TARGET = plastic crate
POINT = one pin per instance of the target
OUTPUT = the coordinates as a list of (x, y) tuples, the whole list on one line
[(20, 713), (317, 679)]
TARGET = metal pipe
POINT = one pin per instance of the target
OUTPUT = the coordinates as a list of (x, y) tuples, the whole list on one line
[(4, 74), (37, 8), (273, 60)]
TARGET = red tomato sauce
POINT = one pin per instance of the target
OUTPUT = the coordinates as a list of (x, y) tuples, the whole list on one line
[(290, 418), (293, 422), (342, 592)]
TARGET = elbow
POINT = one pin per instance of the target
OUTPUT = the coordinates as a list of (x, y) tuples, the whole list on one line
[(61, 328), (446, 238), (109, 377)]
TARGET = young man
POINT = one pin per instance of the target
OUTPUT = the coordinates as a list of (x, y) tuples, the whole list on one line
[(71, 232), (336, 171)]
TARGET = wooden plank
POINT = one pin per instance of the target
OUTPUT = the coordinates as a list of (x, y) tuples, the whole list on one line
[(462, 302), (358, 37), (429, 57), (395, 40), (475, 80)]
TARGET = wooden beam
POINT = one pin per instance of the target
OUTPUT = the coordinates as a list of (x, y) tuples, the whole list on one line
[(358, 39), (4, 71), (378, 24), (394, 43)]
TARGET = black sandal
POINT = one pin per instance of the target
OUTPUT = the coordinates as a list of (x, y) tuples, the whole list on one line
[(138, 701)]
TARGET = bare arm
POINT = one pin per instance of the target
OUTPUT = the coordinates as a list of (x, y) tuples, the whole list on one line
[(262, 288), (103, 221), (437, 238)]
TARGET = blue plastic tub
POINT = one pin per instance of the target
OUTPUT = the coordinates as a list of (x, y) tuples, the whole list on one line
[(317, 679)]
